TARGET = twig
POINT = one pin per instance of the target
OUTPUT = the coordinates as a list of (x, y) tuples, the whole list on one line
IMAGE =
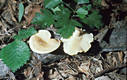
[(60, 74), (109, 70), (99, 37)]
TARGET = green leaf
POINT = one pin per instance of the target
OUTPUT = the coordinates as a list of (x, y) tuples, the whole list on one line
[(82, 1), (15, 54), (51, 3), (21, 11), (45, 19), (60, 18), (97, 3), (25, 33), (56, 9), (88, 7), (66, 31), (93, 20), (82, 12), (66, 27)]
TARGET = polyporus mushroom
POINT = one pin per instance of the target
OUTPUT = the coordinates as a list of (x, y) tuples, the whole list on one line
[(42, 42), (78, 42)]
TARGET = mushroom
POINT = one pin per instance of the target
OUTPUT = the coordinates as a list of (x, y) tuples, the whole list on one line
[(78, 42), (42, 42)]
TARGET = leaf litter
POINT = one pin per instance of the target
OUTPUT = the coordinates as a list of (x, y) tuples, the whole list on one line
[(82, 66)]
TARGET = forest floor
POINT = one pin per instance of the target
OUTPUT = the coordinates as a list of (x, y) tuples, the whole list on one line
[(106, 60)]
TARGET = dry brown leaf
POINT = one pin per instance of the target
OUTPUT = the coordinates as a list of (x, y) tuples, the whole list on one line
[(30, 12), (28, 71), (85, 68), (2, 3), (120, 55), (114, 61), (12, 13), (40, 76), (71, 78), (123, 7), (103, 3)]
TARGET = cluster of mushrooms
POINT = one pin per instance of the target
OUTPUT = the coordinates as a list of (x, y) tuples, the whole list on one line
[(42, 42)]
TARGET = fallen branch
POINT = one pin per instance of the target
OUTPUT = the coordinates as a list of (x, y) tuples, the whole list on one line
[(109, 70)]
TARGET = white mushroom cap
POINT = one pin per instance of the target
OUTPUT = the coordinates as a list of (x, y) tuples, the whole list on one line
[(77, 43), (42, 43), (85, 42)]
